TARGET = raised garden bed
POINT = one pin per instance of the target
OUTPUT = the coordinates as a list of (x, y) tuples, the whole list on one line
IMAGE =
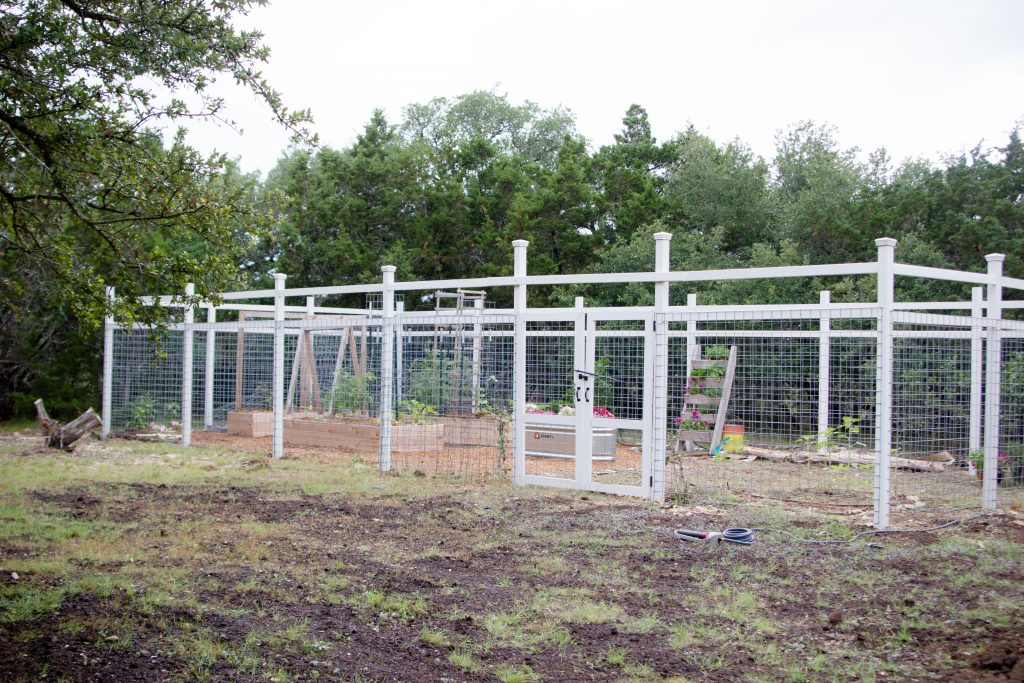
[(474, 430), (360, 435), (251, 422)]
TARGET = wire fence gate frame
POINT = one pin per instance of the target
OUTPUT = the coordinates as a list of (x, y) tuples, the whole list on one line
[(881, 403)]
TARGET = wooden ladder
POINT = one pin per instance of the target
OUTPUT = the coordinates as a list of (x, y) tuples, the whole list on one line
[(694, 399)]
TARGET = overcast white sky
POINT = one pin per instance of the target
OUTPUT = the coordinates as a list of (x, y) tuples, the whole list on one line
[(919, 78)]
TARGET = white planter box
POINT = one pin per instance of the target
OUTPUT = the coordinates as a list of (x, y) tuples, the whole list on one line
[(559, 441)]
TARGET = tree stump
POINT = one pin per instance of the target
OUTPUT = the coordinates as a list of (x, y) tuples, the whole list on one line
[(65, 437)]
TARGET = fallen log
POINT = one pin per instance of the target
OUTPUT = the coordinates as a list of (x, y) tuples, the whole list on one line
[(843, 458), (65, 437)]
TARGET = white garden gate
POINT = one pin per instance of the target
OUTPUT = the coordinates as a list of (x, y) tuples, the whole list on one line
[(602, 362)]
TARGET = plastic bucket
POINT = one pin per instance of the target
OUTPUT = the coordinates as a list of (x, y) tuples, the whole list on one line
[(735, 434)]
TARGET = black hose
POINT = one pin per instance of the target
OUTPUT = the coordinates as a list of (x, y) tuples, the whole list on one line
[(743, 536), (739, 535)]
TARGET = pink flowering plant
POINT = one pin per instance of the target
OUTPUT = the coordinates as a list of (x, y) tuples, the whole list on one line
[(534, 409), (1004, 467), (694, 422), (162, 428)]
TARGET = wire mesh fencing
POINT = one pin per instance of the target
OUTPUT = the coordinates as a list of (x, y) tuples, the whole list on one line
[(331, 388), (777, 405), (794, 413), (1010, 458), (937, 397), (453, 385), (146, 382), (550, 370)]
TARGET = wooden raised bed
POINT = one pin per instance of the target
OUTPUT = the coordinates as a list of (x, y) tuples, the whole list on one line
[(360, 435), (474, 430), (251, 422)]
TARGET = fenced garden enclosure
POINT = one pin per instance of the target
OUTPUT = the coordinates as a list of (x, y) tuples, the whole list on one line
[(881, 404)]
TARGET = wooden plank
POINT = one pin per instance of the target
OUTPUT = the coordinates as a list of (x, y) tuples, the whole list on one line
[(701, 400), (313, 384), (730, 374), (296, 361), (362, 344)]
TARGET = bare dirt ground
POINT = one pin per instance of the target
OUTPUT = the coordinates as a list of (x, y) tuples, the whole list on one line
[(147, 562)]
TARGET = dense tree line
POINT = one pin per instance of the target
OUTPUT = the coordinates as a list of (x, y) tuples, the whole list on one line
[(92, 195), (443, 192)]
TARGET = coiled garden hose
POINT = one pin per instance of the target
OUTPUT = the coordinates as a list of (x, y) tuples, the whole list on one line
[(737, 535)]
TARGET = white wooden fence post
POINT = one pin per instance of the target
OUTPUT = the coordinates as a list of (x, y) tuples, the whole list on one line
[(387, 366), (399, 350), (977, 368), (691, 334), (662, 244), (883, 379), (691, 346), (519, 400), (824, 367), (186, 370), (278, 441), (478, 306), (108, 366), (993, 377), (211, 350), (310, 382)]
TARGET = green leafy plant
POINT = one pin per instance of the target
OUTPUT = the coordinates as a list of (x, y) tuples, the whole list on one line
[(141, 412), (415, 412), (501, 411), (834, 437), (717, 352), (264, 397), (711, 372), (437, 380), (351, 392)]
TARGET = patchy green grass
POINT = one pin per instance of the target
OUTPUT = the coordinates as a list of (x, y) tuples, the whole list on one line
[(196, 565)]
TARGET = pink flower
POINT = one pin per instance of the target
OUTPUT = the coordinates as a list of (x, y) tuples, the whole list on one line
[(677, 420)]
